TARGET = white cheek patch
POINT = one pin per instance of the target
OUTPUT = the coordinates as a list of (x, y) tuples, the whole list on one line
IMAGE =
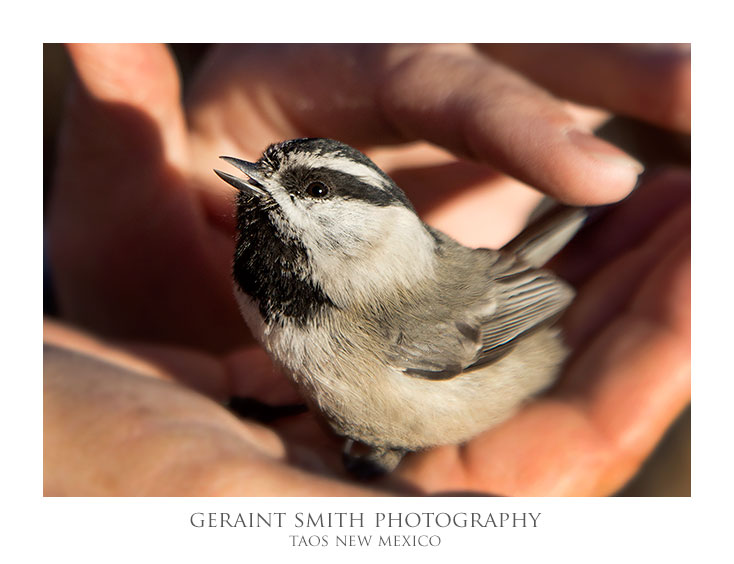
[(378, 249), (345, 226)]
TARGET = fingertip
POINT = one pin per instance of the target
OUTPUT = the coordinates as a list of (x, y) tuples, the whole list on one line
[(563, 161), (486, 112), (580, 169), (601, 173), (600, 150), (134, 90), (140, 73)]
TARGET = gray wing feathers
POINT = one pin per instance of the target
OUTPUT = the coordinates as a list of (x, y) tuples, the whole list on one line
[(441, 352), (524, 301), (524, 305), (515, 298)]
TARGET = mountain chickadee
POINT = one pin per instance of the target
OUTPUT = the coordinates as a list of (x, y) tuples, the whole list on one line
[(399, 336)]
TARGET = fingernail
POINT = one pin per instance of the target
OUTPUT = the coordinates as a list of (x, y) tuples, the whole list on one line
[(603, 151)]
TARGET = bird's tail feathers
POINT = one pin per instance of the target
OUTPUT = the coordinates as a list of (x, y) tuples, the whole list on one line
[(547, 234)]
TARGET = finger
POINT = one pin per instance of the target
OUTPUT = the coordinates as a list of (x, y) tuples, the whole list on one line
[(374, 95), (202, 372), (120, 126), (248, 373), (109, 431), (64, 336), (123, 128), (120, 427), (458, 99), (634, 379), (132, 247), (134, 90), (650, 82)]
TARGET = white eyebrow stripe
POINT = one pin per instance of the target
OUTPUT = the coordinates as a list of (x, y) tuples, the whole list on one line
[(340, 164)]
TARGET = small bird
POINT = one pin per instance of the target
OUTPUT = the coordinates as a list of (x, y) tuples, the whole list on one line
[(398, 335)]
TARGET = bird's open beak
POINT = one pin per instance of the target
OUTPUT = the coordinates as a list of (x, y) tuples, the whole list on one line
[(255, 185)]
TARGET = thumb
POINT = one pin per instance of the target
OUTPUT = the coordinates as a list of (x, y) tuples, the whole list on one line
[(119, 182), (122, 144), (125, 103)]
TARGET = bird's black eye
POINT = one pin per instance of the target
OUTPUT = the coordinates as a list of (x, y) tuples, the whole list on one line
[(317, 190)]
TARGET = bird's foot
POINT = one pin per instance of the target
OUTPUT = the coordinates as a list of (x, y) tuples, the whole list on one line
[(377, 461)]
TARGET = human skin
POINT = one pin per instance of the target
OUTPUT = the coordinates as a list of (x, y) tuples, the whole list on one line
[(135, 177)]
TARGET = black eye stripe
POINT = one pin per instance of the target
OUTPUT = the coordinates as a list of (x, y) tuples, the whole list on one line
[(343, 185), (352, 188)]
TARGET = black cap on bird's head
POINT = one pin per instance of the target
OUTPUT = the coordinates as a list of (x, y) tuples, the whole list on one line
[(319, 169)]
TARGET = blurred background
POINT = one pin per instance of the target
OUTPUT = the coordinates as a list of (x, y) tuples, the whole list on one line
[(666, 473)]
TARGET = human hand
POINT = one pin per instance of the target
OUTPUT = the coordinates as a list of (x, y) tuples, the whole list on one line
[(141, 231), (142, 238), (122, 423), (628, 378)]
